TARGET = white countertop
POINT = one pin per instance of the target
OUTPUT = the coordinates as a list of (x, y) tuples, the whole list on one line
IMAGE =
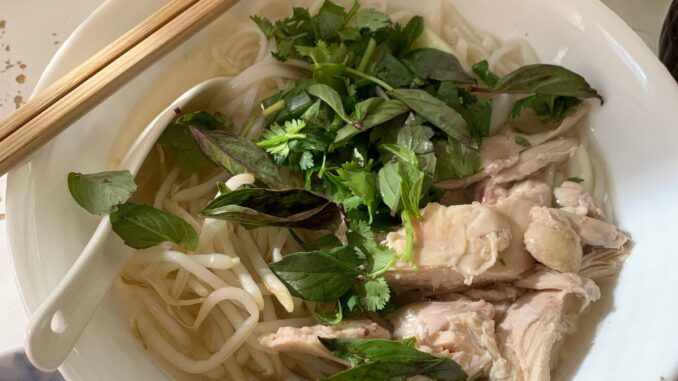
[(31, 31)]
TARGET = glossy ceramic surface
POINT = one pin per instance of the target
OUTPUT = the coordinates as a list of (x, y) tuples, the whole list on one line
[(635, 129)]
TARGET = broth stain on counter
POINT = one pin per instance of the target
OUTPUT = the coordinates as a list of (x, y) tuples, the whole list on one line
[(12, 75)]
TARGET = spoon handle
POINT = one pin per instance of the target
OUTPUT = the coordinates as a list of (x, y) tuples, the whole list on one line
[(59, 321)]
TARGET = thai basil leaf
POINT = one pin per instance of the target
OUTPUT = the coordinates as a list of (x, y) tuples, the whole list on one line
[(99, 192), (380, 114), (177, 137), (294, 208), (143, 226), (437, 112), (320, 276), (392, 71), (329, 316), (429, 63), (238, 155), (549, 107), (482, 70), (546, 79), (389, 360), (332, 98)]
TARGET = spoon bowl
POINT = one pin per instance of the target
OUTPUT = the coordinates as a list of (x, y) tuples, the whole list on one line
[(57, 324)]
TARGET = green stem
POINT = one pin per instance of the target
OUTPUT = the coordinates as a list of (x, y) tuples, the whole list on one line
[(367, 56), (277, 106), (352, 11), (408, 255), (279, 139), (376, 80)]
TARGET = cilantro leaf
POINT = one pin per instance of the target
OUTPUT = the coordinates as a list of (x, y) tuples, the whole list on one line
[(329, 20), (401, 38), (306, 161), (375, 294), (371, 20), (379, 257), (276, 140)]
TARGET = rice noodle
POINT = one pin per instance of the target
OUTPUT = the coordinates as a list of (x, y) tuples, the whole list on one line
[(214, 302)]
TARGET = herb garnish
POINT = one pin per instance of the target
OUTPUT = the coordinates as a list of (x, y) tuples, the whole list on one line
[(374, 359)]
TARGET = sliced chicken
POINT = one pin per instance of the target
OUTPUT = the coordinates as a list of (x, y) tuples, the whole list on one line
[(572, 197), (305, 340), (594, 232), (462, 330), (537, 158), (515, 260), (464, 238), (501, 151), (603, 263), (552, 241), (476, 243), (535, 325)]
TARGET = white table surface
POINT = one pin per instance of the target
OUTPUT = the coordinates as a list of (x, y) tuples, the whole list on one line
[(31, 31)]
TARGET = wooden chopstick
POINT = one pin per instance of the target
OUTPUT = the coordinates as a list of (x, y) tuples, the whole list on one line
[(37, 122), (61, 87)]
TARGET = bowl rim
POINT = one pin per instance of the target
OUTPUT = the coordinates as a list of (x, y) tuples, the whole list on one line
[(16, 220)]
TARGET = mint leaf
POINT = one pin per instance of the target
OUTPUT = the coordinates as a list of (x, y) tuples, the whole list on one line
[(143, 226), (99, 192), (319, 276), (455, 161)]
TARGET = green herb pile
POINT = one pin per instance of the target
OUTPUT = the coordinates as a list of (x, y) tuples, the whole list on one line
[(353, 151)]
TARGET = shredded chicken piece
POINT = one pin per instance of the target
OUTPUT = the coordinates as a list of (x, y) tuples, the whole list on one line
[(572, 197), (552, 241), (501, 151), (603, 263), (464, 238), (462, 330), (305, 339), (442, 240), (536, 158), (534, 326)]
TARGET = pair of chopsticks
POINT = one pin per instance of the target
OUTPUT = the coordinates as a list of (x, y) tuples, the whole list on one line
[(65, 101)]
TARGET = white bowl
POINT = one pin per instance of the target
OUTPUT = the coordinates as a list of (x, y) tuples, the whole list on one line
[(630, 335)]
